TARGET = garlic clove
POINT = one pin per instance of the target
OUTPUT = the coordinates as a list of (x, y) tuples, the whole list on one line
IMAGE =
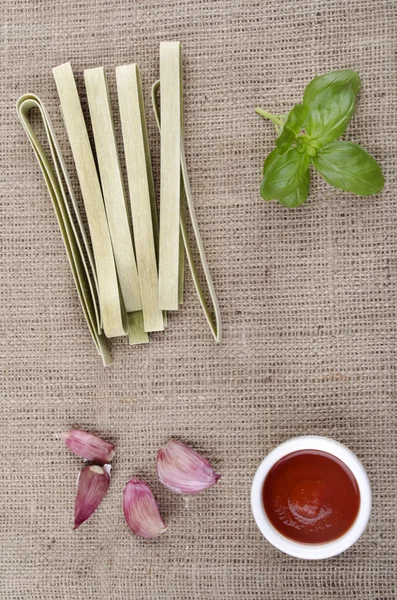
[(141, 511), (89, 446), (183, 470), (92, 484)]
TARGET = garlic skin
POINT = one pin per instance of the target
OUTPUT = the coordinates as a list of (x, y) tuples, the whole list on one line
[(183, 470), (88, 446), (141, 511), (92, 484)]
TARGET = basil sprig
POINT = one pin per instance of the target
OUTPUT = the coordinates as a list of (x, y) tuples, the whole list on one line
[(307, 135)]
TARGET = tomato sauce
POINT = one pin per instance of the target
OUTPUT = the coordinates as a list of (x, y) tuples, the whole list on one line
[(311, 497)]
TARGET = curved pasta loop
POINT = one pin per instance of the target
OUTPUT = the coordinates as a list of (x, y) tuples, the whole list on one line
[(214, 322), (67, 212)]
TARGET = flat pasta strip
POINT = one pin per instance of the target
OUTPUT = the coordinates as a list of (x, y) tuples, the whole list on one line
[(114, 317), (136, 329), (66, 210), (112, 186), (170, 184), (139, 174)]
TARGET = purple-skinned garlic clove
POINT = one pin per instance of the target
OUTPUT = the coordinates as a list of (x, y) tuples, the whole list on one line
[(141, 511), (183, 470), (92, 484), (88, 446)]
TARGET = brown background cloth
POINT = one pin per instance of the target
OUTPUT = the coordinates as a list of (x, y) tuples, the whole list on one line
[(308, 300)]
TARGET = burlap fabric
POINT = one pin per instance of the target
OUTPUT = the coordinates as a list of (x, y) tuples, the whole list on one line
[(308, 300)]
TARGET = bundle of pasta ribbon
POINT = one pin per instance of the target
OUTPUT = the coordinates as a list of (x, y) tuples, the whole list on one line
[(135, 272)]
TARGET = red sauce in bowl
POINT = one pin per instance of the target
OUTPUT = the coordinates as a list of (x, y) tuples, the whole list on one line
[(311, 497)]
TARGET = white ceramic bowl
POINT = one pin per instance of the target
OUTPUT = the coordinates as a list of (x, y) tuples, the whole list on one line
[(312, 551)]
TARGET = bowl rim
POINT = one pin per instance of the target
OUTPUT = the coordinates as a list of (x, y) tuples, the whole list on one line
[(312, 551)]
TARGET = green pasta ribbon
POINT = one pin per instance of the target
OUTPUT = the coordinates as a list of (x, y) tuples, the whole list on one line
[(70, 223), (141, 191), (113, 313), (214, 321)]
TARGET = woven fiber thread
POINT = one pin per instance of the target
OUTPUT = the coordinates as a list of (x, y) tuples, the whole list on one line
[(308, 299)]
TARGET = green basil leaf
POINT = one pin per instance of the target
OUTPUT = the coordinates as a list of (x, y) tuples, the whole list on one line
[(297, 117), (270, 158), (329, 118), (328, 81), (349, 167), (298, 196), (285, 140), (294, 123), (283, 172)]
